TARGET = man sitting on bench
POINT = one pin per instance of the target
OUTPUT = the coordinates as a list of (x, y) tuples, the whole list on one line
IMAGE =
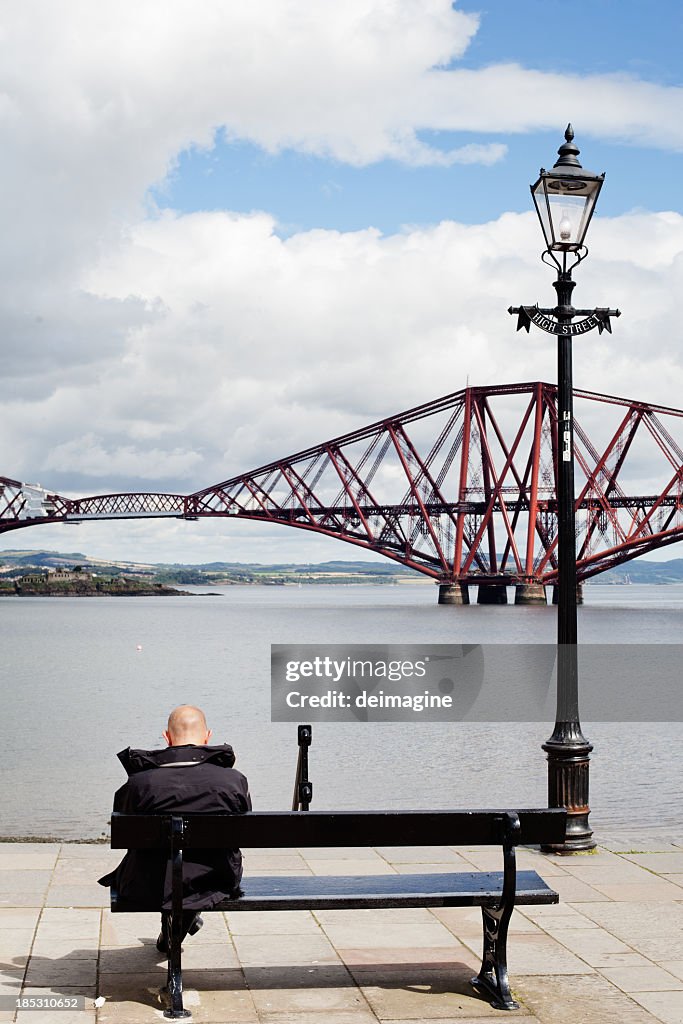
[(188, 775)]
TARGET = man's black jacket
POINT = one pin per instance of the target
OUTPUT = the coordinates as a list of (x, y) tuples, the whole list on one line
[(183, 778)]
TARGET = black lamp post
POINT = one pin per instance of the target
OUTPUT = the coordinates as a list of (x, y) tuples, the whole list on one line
[(565, 199)]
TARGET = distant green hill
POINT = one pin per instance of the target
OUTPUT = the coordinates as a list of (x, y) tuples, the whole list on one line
[(11, 561), (385, 567), (43, 557), (641, 570)]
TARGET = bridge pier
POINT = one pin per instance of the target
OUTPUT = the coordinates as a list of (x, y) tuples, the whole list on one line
[(579, 593), (492, 593), (530, 593), (454, 593)]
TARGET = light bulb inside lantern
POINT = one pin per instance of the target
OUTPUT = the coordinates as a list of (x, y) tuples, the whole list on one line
[(565, 227)]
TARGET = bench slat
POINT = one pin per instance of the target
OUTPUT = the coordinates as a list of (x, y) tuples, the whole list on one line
[(344, 892), (277, 829)]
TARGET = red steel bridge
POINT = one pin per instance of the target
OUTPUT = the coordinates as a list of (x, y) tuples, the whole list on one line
[(461, 489)]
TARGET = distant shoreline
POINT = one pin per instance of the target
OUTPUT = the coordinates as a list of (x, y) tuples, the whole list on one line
[(102, 841), (16, 563), (94, 590)]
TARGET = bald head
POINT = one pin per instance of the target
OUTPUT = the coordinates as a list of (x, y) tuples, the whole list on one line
[(187, 724)]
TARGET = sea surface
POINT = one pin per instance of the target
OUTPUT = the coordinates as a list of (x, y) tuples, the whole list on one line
[(85, 677)]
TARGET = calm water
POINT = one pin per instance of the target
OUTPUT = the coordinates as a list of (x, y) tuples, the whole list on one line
[(77, 689)]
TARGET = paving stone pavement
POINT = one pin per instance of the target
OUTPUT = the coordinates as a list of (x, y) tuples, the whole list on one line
[(610, 953)]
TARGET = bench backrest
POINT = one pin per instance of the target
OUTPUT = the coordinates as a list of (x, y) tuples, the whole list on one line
[(277, 829)]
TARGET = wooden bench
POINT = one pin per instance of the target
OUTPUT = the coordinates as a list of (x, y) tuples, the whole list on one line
[(495, 892)]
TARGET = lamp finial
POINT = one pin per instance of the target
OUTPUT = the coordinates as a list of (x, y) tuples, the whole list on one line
[(568, 151)]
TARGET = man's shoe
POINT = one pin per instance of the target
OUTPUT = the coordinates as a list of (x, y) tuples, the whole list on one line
[(161, 944), (197, 923)]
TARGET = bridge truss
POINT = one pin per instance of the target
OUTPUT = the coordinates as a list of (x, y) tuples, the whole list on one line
[(463, 488)]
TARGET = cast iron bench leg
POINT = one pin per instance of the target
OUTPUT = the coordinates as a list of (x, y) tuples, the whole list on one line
[(174, 981), (492, 979)]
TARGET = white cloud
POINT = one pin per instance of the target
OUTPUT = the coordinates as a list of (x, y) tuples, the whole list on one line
[(123, 88), (93, 459), (261, 345)]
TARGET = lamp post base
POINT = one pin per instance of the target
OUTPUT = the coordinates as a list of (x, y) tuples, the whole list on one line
[(568, 773)]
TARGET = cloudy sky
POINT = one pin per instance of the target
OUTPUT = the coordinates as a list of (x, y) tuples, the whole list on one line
[(230, 231)]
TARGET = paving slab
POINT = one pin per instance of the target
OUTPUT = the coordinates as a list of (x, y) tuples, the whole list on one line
[(12, 975), (32, 848), (659, 948), (556, 924), (79, 871), (210, 956), (484, 859), (211, 1005), (611, 874), (661, 863), (27, 861), (666, 1006), (585, 1000), (260, 872), (279, 852), (422, 854), (69, 923), (279, 950), (15, 940), (538, 954), (13, 917), (647, 978), (44, 971), (371, 928), (635, 919), (265, 922), (375, 958), (467, 920), (595, 946), (674, 967), (328, 866), (77, 896), (522, 1014), (69, 949), (361, 1015), (14, 880), (657, 890), (553, 911), (574, 890), (11, 969), (266, 862), (319, 988), (90, 851), (598, 858), (22, 899), (339, 853), (130, 959), (428, 868), (127, 929), (628, 843), (422, 992), (131, 998)]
